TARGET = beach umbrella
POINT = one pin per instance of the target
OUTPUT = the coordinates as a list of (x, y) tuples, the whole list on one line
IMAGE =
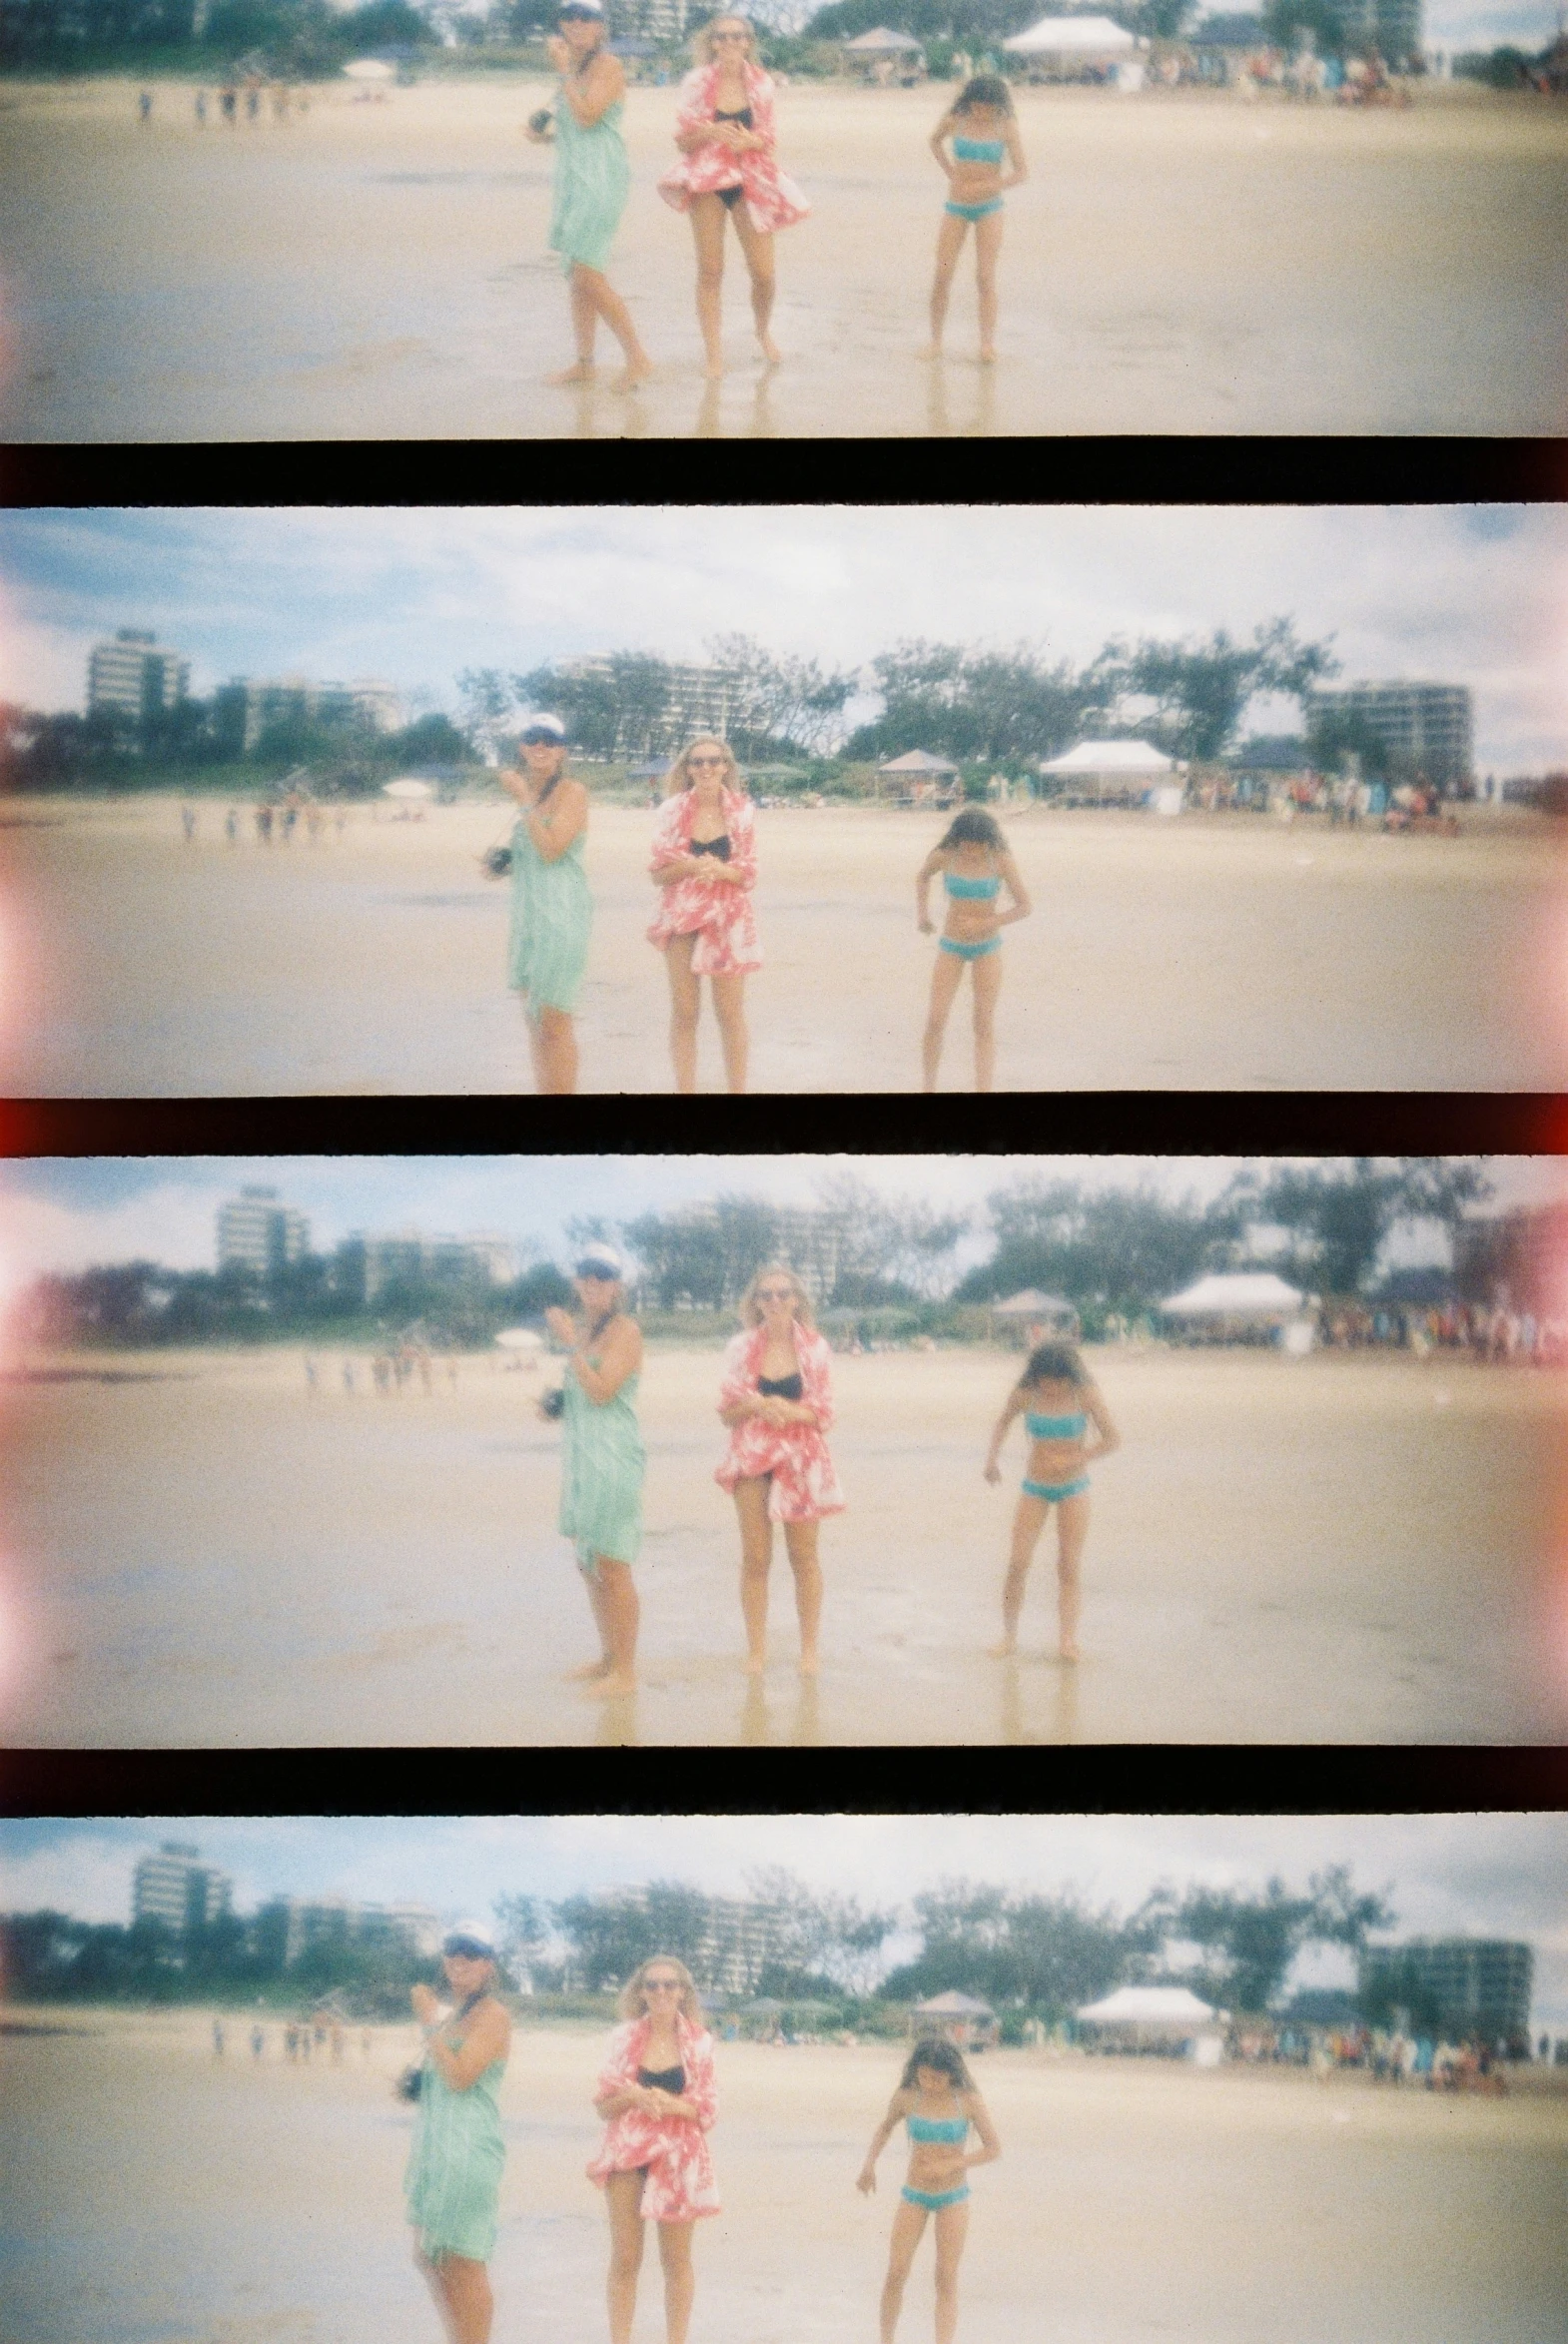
[(370, 68), (520, 1338), (406, 789)]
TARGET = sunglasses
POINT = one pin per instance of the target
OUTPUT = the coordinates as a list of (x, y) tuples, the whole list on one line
[(730, 36), (707, 760), (661, 1985), (596, 1277), (775, 1293)]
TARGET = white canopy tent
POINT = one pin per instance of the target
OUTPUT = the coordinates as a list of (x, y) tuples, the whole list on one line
[(1076, 41), (879, 41), (1241, 1294), (1140, 2016), (1122, 768)]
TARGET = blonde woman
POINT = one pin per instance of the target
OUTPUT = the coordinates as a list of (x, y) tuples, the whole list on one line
[(725, 133), (658, 2096), (777, 1400), (704, 865)]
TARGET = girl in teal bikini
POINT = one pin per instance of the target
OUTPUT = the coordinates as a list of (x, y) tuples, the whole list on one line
[(937, 2101), (975, 864), (1057, 1403), (984, 134)]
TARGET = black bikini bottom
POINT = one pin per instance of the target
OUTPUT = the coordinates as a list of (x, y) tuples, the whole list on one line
[(729, 196)]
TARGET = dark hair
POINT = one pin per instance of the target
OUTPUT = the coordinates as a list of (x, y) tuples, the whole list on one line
[(987, 88), (974, 828), (933, 2050), (1053, 1363)]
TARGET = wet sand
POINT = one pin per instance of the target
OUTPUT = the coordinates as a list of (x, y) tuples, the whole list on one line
[(1176, 263), (152, 2191), (1345, 1549), (1228, 952)]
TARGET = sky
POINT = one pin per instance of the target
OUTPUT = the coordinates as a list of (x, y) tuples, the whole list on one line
[(1447, 1875), (1474, 594), (67, 1213)]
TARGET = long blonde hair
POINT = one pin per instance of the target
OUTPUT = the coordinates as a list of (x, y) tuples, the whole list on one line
[(750, 1308), (702, 39), (628, 2003), (679, 776)]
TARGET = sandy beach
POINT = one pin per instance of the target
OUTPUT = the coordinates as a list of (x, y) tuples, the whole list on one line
[(1225, 952), (152, 2191), (1352, 1548), (1176, 263)]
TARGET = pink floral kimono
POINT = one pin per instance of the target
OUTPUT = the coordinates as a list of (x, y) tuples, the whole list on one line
[(718, 913), (772, 198), (804, 1486), (680, 2187)]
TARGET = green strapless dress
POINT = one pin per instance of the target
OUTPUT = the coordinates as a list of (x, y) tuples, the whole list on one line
[(593, 181), (551, 914), (602, 1465), (454, 2178)]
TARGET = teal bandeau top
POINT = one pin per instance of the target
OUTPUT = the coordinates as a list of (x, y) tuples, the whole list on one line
[(979, 150), (1055, 1427), (936, 2127), (982, 890)]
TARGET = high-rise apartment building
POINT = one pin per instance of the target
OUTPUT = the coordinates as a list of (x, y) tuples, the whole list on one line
[(176, 1888), (1431, 727), (289, 1926), (1480, 1986), (135, 676), (256, 1232), (365, 1267), (246, 705), (698, 700)]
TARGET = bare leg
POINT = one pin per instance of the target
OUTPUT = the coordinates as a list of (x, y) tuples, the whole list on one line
[(468, 2285), (617, 318), (685, 1006), (952, 2228), (707, 228), (729, 1006), (680, 2280), (987, 973), (430, 2273), (584, 326), (1072, 1532), (623, 2195), (601, 1666), (909, 2223), (757, 245), (950, 238), (800, 1544), (756, 1557), (622, 1614), (1027, 1523), (944, 978), (557, 1055), (987, 245)]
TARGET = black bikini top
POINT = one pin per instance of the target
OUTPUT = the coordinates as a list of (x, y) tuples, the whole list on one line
[(711, 846), (744, 118), (781, 1387), (667, 2079)]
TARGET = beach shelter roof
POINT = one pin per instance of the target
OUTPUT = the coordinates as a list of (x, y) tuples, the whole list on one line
[(1110, 757), (408, 787), (520, 1338), (370, 68), (1235, 1296), (879, 42), (1082, 35), (1032, 1304), (1145, 2004), (953, 2004), (917, 761)]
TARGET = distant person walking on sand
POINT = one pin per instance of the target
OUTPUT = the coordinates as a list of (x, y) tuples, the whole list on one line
[(1057, 1401), (453, 2176), (231, 826), (974, 862), (218, 2039), (143, 107), (725, 132), (201, 109), (777, 1400), (704, 863), (984, 134), (658, 2095), (227, 102), (551, 909), (938, 2103), (188, 824), (602, 1460), (593, 181)]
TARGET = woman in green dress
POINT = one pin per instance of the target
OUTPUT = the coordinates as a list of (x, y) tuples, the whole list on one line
[(602, 1461), (454, 2167), (551, 909), (593, 181)]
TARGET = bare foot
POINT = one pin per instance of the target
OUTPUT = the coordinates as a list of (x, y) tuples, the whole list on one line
[(987, 355), (582, 371), (1069, 1650), (756, 1662), (1006, 1650), (770, 350), (612, 1685), (810, 1665), (588, 1671), (635, 371), (932, 350)]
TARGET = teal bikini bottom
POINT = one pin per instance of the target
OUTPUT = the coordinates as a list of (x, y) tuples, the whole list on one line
[(1055, 1492), (975, 211), (935, 2199), (971, 951)]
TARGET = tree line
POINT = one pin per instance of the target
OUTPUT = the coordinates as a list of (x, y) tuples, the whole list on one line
[(1115, 1251), (1017, 1949), (110, 749), (299, 40)]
